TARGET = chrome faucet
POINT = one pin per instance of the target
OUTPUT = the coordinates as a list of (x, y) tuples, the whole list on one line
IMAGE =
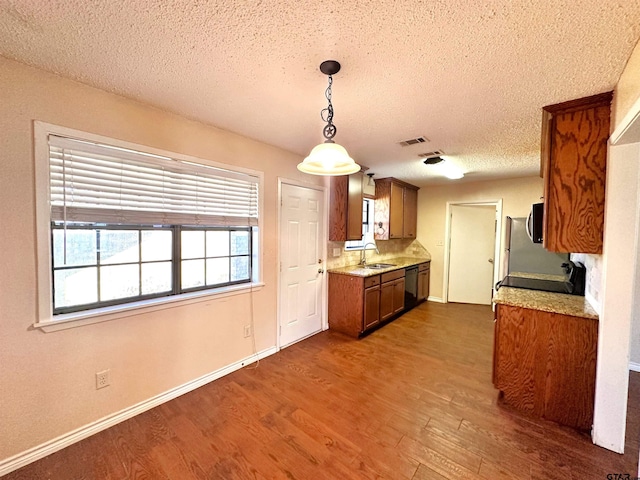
[(363, 258)]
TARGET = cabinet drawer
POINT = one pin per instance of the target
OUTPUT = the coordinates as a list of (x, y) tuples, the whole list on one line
[(372, 281), (424, 266), (389, 276)]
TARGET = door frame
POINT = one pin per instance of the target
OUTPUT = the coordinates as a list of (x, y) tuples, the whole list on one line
[(447, 243), (618, 309), (325, 220)]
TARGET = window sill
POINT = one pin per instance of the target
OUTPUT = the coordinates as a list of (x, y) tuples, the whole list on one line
[(77, 319)]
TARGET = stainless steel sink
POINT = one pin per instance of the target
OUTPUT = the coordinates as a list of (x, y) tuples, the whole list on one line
[(380, 265)]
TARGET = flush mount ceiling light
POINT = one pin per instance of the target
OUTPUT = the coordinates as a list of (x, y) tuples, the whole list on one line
[(446, 169), (433, 160), (329, 158)]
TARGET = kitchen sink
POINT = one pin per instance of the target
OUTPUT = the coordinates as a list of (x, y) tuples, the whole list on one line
[(379, 265)]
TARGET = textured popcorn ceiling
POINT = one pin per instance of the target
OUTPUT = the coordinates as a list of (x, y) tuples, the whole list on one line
[(471, 76)]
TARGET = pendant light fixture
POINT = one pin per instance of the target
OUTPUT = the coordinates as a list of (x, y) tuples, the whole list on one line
[(329, 158)]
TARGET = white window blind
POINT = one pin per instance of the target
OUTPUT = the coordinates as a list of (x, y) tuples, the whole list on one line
[(92, 182)]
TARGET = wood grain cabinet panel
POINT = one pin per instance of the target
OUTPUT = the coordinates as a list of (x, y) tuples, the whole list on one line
[(545, 364), (345, 208), (573, 159), (424, 270), (410, 213), (396, 209), (371, 307)]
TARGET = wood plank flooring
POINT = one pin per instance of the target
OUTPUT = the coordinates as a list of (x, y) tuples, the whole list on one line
[(413, 400)]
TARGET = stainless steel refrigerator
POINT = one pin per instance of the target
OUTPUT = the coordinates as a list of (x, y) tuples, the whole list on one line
[(522, 255)]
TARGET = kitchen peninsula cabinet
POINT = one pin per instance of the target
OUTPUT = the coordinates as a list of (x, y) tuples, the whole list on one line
[(354, 303), (345, 207), (573, 164), (396, 209), (545, 363), (424, 269)]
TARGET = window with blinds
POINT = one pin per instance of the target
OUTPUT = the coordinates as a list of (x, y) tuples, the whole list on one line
[(128, 225)]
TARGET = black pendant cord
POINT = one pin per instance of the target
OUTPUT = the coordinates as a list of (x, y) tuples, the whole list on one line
[(329, 131)]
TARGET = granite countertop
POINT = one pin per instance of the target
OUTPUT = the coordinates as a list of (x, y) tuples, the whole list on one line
[(360, 271), (572, 305), (539, 276)]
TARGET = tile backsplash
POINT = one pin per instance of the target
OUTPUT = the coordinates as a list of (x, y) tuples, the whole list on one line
[(593, 265), (388, 249)]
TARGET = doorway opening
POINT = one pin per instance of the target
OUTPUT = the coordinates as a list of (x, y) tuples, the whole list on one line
[(472, 251)]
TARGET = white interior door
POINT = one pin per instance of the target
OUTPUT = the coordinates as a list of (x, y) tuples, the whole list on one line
[(302, 263), (471, 252)]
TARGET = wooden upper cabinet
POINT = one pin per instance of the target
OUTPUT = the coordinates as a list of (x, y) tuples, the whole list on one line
[(396, 209), (573, 158), (345, 208), (410, 216)]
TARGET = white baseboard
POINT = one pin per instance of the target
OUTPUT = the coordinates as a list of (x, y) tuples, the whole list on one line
[(634, 367), (435, 299), (36, 453)]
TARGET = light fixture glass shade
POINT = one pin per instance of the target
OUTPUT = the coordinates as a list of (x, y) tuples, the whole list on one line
[(329, 159)]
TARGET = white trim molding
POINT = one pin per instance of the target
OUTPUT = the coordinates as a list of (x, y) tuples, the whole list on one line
[(634, 367), (36, 453)]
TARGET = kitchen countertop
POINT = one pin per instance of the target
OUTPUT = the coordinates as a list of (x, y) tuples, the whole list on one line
[(360, 271), (572, 305), (539, 276)]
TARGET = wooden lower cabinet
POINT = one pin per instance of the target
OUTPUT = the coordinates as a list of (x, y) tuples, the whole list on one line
[(424, 269), (391, 294), (371, 307), (545, 364), (357, 304)]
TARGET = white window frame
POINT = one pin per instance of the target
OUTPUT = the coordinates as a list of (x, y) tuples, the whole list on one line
[(356, 245), (46, 320)]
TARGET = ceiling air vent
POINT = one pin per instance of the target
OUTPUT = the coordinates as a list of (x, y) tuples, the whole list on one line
[(435, 153), (413, 141)]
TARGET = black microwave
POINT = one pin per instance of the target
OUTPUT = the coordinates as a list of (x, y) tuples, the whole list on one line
[(534, 222)]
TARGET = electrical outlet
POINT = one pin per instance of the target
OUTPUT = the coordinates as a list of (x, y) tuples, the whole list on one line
[(102, 379), (247, 331), (439, 243)]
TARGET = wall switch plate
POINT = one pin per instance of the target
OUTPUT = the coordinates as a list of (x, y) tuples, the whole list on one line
[(102, 379), (439, 243), (336, 252), (247, 331)]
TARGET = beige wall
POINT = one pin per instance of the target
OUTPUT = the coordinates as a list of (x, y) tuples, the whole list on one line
[(47, 380), (517, 196)]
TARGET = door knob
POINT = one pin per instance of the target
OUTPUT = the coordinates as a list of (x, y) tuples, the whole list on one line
[(320, 270)]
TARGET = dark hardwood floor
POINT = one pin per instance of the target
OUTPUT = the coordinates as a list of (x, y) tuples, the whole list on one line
[(413, 400)]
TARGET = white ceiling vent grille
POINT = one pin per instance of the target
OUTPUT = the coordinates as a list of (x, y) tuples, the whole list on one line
[(435, 153), (413, 141)]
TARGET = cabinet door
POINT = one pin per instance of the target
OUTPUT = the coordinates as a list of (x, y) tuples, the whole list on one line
[(421, 276), (516, 360), (396, 211), (423, 285), (371, 307), (398, 295), (569, 388), (345, 209), (410, 213), (386, 300), (575, 153), (354, 207)]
